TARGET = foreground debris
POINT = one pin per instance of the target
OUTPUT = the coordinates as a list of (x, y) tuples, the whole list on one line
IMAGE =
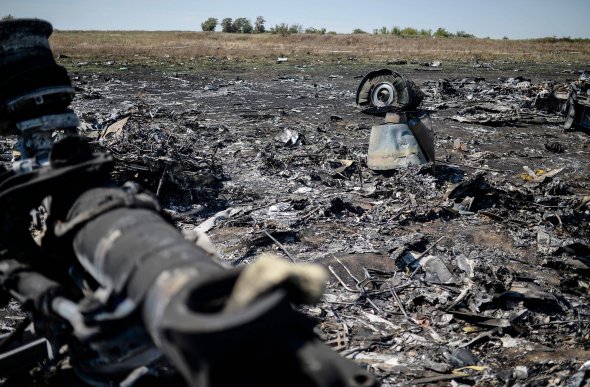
[(112, 293)]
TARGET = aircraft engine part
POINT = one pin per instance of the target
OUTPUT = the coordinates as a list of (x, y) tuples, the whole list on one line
[(32, 85), (384, 90)]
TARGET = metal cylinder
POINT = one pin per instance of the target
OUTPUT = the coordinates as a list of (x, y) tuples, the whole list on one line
[(125, 249), (393, 146), (126, 246)]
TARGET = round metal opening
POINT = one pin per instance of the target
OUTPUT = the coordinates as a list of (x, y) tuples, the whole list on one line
[(383, 94)]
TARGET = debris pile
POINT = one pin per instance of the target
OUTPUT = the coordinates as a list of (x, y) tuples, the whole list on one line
[(166, 162), (513, 101), (477, 275)]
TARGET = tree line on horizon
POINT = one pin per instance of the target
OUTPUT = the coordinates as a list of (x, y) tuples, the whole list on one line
[(245, 26)]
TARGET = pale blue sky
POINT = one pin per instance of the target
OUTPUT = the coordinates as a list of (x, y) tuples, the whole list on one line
[(494, 18)]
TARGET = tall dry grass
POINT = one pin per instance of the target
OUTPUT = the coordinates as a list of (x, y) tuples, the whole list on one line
[(129, 44)]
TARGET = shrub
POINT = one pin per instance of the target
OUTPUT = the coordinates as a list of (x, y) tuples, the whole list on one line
[(423, 32), (295, 28), (312, 30), (463, 34), (280, 29), (409, 31), (442, 33)]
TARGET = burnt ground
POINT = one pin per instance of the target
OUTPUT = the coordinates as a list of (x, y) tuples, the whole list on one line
[(504, 290)]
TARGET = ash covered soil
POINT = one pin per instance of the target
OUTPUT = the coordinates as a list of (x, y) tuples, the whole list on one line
[(496, 291)]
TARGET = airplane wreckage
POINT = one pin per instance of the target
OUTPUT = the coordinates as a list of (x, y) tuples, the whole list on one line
[(112, 293)]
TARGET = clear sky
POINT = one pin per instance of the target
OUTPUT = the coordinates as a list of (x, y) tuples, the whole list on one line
[(494, 18)]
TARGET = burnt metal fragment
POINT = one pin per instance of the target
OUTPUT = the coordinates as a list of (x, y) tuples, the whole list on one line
[(393, 146), (403, 140), (577, 106), (555, 147)]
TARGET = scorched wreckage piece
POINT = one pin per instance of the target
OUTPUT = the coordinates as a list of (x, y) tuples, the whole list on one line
[(384, 90), (577, 106), (115, 289), (406, 137)]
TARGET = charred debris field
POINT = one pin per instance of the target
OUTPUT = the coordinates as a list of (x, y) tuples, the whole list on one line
[(476, 275)]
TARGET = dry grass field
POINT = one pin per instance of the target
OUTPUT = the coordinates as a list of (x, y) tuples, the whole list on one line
[(144, 44)]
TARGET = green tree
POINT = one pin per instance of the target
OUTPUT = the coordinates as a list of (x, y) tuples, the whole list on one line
[(7, 17), (209, 24), (358, 31), (227, 25), (247, 27), (241, 25), (396, 31), (259, 25), (238, 24)]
